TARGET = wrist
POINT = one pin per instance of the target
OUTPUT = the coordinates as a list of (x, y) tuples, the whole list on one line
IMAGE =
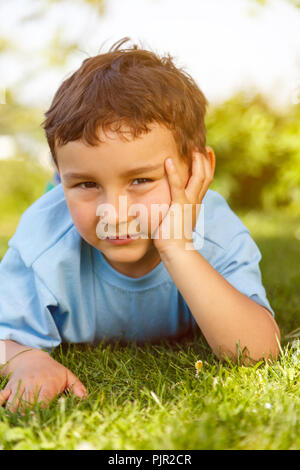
[(174, 252)]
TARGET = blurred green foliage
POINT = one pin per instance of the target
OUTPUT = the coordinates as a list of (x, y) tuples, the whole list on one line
[(257, 159), (257, 153), (22, 181), (18, 118)]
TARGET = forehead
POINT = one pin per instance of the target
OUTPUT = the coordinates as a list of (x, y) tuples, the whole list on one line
[(119, 152)]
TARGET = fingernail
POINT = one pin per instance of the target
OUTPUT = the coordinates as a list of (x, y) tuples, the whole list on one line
[(83, 393), (169, 162)]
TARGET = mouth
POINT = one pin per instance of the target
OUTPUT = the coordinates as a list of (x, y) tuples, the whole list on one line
[(121, 241), (124, 237)]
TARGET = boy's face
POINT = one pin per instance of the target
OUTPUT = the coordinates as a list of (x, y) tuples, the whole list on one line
[(106, 168)]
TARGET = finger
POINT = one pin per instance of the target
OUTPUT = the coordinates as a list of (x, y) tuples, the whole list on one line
[(208, 176), (30, 395), (4, 394), (176, 184), (75, 386), (46, 396), (13, 401), (197, 178), (78, 390), (24, 404)]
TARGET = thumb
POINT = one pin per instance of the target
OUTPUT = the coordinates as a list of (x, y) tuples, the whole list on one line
[(75, 386)]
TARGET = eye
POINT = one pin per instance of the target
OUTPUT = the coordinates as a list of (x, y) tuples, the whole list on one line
[(144, 180), (89, 185)]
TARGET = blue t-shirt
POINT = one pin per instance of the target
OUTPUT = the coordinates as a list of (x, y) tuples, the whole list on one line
[(55, 287)]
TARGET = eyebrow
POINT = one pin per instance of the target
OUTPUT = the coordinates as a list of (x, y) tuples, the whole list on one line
[(134, 171)]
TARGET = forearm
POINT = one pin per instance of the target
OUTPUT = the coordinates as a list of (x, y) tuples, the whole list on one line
[(8, 350), (226, 317)]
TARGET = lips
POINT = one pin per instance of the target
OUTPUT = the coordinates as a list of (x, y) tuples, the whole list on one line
[(122, 237)]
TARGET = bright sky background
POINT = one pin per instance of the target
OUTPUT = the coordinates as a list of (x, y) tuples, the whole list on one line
[(226, 45)]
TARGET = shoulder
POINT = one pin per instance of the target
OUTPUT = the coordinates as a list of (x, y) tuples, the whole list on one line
[(42, 225), (217, 223)]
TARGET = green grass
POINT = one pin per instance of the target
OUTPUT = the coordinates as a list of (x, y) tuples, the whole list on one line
[(148, 397)]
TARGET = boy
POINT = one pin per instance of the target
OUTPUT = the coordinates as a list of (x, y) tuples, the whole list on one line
[(112, 128)]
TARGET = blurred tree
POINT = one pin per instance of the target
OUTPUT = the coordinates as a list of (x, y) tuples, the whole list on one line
[(257, 151), (17, 118)]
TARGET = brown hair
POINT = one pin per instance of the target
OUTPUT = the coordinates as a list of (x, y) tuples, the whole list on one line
[(129, 86)]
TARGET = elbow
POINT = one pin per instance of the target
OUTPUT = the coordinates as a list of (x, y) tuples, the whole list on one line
[(274, 342), (262, 345), (268, 354), (249, 356), (249, 359), (269, 347)]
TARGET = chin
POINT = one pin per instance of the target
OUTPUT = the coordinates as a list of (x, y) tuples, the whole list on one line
[(124, 258), (124, 252)]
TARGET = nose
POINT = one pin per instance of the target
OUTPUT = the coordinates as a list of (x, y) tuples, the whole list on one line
[(113, 209)]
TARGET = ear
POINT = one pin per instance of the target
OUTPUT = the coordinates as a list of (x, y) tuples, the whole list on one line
[(211, 156)]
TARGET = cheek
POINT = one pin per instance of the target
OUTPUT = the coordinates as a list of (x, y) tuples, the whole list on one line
[(83, 215), (160, 196)]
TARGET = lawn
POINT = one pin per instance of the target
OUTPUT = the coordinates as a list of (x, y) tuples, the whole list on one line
[(148, 397)]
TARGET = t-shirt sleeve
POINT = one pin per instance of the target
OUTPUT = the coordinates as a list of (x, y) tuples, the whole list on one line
[(240, 267), (25, 305)]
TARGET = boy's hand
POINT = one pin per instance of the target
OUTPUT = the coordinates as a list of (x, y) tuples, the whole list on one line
[(174, 222), (35, 375)]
